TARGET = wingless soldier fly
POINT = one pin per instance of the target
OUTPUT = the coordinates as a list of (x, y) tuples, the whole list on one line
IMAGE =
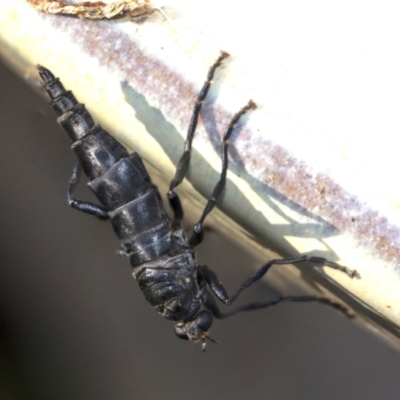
[(162, 257)]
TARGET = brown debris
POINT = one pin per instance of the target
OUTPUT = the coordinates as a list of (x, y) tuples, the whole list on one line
[(95, 9)]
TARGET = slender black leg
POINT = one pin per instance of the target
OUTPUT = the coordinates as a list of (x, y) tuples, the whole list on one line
[(198, 230), (86, 207), (183, 163), (216, 312), (219, 290)]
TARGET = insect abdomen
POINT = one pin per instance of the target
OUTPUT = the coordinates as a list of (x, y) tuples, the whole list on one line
[(119, 180)]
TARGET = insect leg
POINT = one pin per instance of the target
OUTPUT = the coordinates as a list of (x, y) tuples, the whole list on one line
[(198, 231), (216, 312), (183, 163), (85, 207), (219, 290)]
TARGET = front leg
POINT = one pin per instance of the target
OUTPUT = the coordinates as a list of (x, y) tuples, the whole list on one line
[(211, 305), (221, 293)]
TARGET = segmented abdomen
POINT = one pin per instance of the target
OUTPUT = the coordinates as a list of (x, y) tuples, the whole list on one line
[(119, 180)]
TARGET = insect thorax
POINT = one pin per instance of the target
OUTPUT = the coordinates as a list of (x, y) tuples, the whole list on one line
[(170, 283)]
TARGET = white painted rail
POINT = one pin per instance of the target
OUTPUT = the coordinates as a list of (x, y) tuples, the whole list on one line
[(314, 169)]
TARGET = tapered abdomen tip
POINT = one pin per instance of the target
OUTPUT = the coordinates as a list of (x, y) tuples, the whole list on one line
[(45, 74)]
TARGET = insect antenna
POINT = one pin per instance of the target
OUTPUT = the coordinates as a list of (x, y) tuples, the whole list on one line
[(204, 344)]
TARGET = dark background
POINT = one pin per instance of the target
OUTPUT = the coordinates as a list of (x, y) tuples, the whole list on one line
[(74, 325)]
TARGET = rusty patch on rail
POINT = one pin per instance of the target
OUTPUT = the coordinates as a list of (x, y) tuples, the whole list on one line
[(284, 173)]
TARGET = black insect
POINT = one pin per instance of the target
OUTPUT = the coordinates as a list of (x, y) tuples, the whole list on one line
[(162, 257)]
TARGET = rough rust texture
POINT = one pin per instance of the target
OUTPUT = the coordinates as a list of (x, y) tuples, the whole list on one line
[(319, 193), (284, 173)]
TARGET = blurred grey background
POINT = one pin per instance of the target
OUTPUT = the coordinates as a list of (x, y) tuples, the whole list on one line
[(74, 325)]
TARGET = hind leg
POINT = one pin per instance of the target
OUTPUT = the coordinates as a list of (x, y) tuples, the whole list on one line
[(183, 163), (86, 207)]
